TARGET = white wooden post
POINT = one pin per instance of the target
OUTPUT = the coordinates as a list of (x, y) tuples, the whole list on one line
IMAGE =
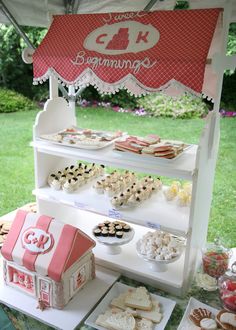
[(53, 87), (72, 101)]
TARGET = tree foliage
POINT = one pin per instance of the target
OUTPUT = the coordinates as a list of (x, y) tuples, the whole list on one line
[(14, 73)]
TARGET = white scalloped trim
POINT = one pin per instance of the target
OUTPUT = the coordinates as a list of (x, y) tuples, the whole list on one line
[(173, 87)]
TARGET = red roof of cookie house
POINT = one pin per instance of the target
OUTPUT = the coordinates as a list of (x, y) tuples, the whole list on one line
[(141, 51), (45, 245)]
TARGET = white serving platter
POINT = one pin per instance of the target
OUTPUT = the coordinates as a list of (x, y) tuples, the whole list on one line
[(113, 244), (193, 303), (145, 157), (127, 237), (167, 306), (157, 265), (81, 145)]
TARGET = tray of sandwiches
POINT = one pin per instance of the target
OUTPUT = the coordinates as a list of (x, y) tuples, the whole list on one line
[(151, 147), (129, 308), (83, 138)]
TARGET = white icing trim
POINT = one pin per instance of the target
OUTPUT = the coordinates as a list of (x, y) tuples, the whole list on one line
[(129, 82)]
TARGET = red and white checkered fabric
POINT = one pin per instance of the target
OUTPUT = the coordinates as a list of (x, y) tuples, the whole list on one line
[(179, 55)]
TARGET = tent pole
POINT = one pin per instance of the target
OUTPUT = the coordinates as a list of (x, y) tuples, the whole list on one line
[(15, 24), (150, 5)]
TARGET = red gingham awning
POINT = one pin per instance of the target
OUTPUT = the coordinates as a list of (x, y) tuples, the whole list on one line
[(140, 51)]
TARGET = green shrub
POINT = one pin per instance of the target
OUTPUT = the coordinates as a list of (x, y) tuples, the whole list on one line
[(186, 106), (10, 101), (123, 99)]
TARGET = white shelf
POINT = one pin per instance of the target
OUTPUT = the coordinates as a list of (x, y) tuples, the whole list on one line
[(74, 312), (154, 213), (183, 167)]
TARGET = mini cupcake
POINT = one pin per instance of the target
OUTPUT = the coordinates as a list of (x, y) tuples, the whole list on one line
[(106, 223), (55, 184), (115, 201), (118, 227), (51, 177), (98, 187), (102, 170), (109, 191), (68, 186), (126, 228), (100, 225), (119, 234), (86, 175), (112, 233), (104, 232), (97, 232), (157, 184), (132, 200), (114, 175), (69, 175), (62, 179), (59, 173), (80, 179), (66, 170), (127, 194), (122, 197)]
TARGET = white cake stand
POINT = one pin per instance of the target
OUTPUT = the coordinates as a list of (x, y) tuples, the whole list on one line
[(157, 265), (112, 245)]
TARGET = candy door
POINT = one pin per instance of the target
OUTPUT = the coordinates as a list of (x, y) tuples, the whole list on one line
[(45, 292)]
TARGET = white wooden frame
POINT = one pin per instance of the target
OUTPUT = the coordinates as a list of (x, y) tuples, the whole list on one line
[(57, 115)]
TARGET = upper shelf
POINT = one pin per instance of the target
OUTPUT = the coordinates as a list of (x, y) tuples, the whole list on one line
[(183, 167)]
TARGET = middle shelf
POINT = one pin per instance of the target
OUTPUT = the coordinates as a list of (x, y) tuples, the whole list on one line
[(156, 212)]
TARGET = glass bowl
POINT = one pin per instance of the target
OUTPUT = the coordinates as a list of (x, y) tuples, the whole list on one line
[(215, 259), (227, 289)]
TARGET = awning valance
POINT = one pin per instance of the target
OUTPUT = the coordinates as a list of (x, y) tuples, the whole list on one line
[(140, 51)]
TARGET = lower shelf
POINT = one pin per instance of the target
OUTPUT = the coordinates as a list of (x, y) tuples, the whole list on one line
[(74, 312), (127, 262)]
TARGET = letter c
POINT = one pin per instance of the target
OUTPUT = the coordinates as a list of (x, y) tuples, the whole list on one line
[(98, 39), (27, 240)]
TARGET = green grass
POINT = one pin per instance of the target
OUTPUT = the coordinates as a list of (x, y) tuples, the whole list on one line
[(17, 173)]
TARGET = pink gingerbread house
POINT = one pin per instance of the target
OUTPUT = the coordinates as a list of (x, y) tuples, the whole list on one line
[(47, 259)]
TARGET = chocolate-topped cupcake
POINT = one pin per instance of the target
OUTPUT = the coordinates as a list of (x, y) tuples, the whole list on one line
[(106, 223), (97, 232), (118, 227), (119, 234), (104, 233), (126, 228)]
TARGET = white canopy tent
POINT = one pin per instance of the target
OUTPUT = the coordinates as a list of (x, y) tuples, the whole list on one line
[(58, 116), (38, 13)]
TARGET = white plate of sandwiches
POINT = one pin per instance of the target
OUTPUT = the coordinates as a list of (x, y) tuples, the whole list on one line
[(128, 308), (162, 150), (82, 138), (199, 316)]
